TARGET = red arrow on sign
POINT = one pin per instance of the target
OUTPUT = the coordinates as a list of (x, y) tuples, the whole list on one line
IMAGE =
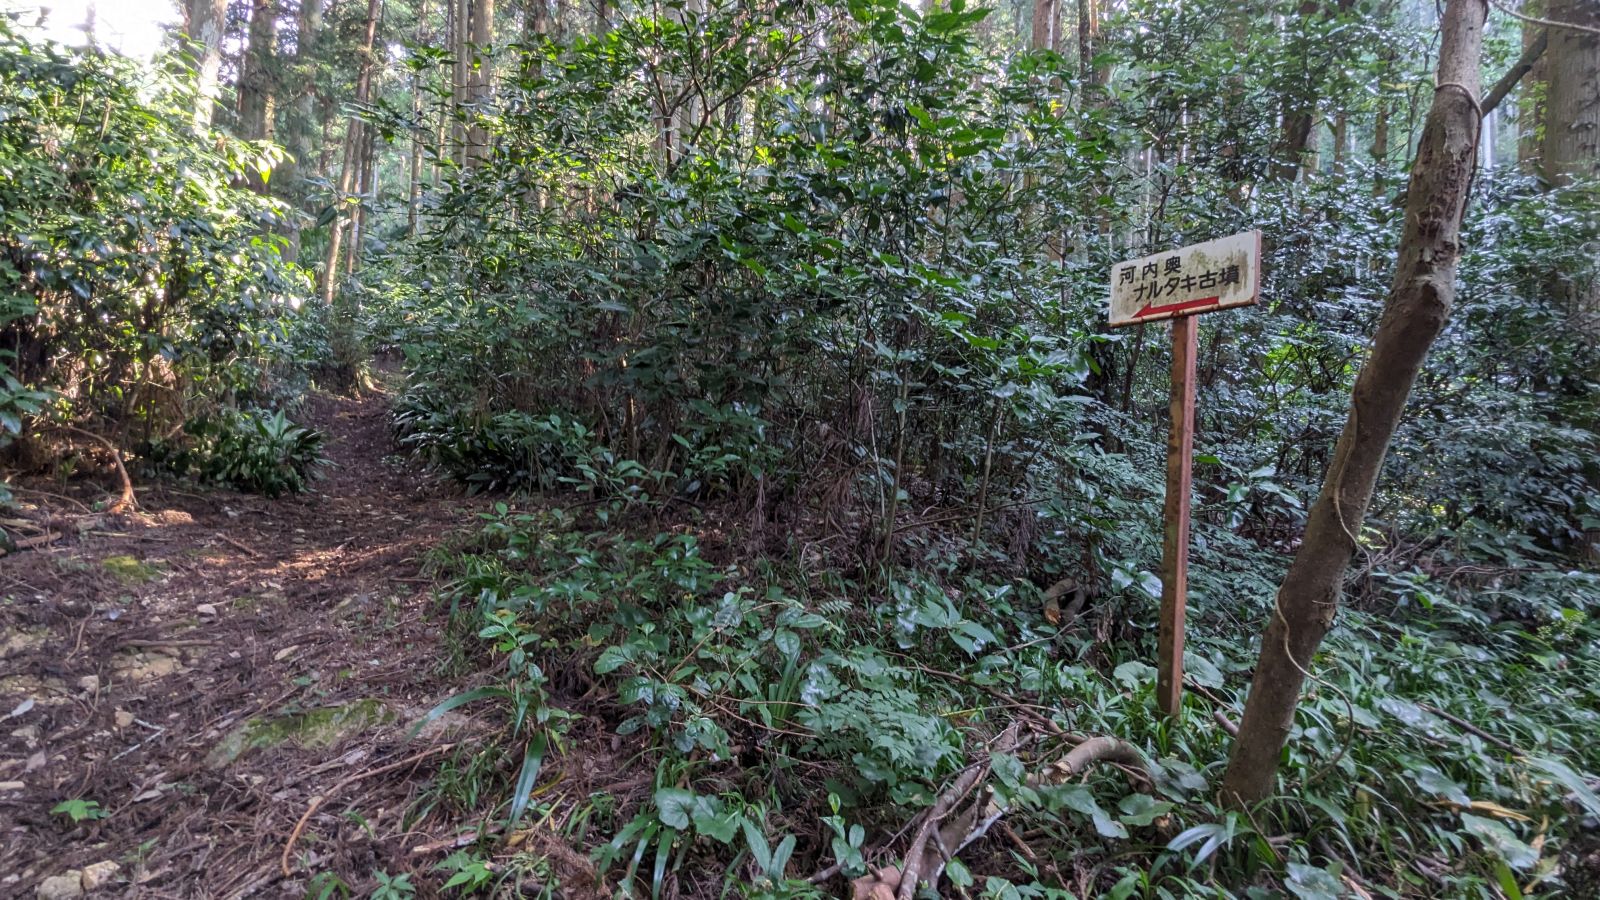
[(1149, 310)]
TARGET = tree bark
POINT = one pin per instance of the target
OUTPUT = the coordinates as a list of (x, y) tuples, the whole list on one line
[(206, 20), (1046, 29), (1416, 310), (479, 80), (255, 75), (1571, 146)]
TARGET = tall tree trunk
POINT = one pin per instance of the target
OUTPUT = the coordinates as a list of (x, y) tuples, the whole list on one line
[(1416, 310), (1089, 43), (1297, 110), (368, 186), (535, 27), (348, 182), (336, 229), (479, 79), (1046, 25), (206, 21), (1571, 153), (1571, 146), (460, 13), (414, 161), (1380, 144), (256, 78), (1341, 139), (301, 118)]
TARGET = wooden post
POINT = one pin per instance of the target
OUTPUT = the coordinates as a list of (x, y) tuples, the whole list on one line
[(1175, 544)]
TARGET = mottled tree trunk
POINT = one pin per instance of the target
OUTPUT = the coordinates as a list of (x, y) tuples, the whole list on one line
[(1416, 310), (205, 23), (256, 79)]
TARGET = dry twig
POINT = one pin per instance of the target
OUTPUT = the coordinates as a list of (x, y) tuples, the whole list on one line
[(318, 800)]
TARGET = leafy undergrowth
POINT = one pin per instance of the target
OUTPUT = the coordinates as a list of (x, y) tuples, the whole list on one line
[(797, 721)]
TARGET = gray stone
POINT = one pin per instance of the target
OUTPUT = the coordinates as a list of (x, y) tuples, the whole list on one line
[(99, 875), (62, 887)]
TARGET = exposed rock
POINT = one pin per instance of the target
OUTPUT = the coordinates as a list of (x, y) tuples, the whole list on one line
[(123, 718), (313, 729), (62, 887), (42, 691), (206, 609), (99, 875), (145, 666), (89, 684), (20, 641)]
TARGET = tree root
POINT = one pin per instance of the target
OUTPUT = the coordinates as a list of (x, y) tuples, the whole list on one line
[(126, 502)]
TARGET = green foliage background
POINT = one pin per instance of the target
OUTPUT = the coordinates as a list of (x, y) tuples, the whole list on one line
[(782, 330)]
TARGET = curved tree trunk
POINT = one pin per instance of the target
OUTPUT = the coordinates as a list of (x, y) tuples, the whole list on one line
[(1415, 312)]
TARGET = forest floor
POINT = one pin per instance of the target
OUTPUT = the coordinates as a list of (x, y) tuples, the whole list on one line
[(199, 670)]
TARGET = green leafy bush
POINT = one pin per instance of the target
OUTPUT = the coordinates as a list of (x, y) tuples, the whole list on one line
[(140, 278), (249, 450)]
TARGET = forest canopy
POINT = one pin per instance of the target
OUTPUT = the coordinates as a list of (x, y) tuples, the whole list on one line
[(819, 488)]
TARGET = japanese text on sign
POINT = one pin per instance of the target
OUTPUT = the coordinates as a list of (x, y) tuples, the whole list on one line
[(1217, 274)]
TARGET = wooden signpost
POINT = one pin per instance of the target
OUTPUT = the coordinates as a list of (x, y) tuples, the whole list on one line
[(1179, 285)]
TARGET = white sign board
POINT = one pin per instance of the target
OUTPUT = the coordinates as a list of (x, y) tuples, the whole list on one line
[(1219, 274)]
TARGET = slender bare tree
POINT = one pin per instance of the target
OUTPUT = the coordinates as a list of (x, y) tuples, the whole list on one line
[(1415, 312)]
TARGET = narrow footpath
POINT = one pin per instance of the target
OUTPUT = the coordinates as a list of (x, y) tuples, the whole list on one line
[(176, 685)]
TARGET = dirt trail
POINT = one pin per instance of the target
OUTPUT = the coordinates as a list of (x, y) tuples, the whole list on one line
[(130, 653)]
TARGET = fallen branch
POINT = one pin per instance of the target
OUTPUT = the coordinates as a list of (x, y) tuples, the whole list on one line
[(944, 832), (174, 644), (919, 857), (242, 548), (1226, 723), (30, 543), (1503, 744), (461, 840)]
